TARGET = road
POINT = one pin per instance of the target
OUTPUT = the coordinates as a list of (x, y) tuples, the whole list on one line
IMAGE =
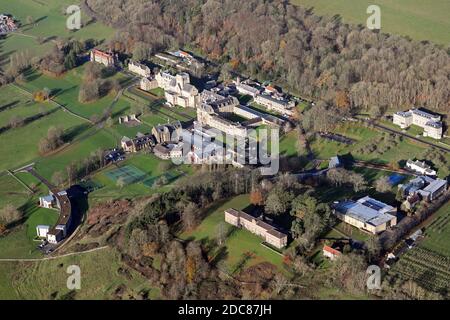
[(380, 126)]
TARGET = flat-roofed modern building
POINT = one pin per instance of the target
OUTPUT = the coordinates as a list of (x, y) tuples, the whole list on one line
[(366, 214), (425, 186), (256, 226), (434, 189)]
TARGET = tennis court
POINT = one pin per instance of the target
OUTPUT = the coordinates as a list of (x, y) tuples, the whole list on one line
[(128, 174)]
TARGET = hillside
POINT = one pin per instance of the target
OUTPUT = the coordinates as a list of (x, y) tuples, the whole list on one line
[(417, 19)]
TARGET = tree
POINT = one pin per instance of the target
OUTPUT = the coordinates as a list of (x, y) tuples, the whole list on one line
[(297, 228), (10, 214), (221, 233), (30, 20), (302, 205), (382, 184), (349, 273), (58, 178), (109, 122), (140, 52), (92, 72), (256, 198), (16, 121), (373, 247), (342, 100), (120, 183), (189, 217), (89, 91), (278, 201), (358, 181), (375, 112)]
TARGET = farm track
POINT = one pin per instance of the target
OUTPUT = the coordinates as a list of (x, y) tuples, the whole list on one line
[(54, 257)]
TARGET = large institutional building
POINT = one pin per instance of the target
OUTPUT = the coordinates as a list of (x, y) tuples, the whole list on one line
[(216, 110), (366, 214), (268, 232), (105, 58), (279, 105), (171, 132), (139, 69), (431, 124), (178, 90)]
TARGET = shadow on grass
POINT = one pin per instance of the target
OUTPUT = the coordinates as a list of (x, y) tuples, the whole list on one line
[(73, 132)]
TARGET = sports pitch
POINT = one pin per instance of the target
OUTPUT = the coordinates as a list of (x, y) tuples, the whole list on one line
[(129, 174)]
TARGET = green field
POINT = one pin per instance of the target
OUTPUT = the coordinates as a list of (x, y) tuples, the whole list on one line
[(429, 263), (20, 145), (146, 163), (32, 280), (324, 148), (65, 90), (19, 243), (92, 140), (49, 22), (437, 234), (12, 192), (238, 243), (418, 19), (288, 144)]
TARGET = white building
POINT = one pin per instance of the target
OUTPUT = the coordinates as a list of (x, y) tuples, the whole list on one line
[(42, 230), (431, 124), (420, 167), (47, 201), (139, 69), (330, 253)]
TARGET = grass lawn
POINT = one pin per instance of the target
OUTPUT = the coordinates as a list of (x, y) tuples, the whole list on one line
[(239, 242), (92, 140), (288, 144), (20, 145), (19, 242), (438, 232), (147, 163), (12, 192), (65, 90), (418, 19), (31, 280), (324, 148), (13, 102), (49, 22), (352, 231)]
